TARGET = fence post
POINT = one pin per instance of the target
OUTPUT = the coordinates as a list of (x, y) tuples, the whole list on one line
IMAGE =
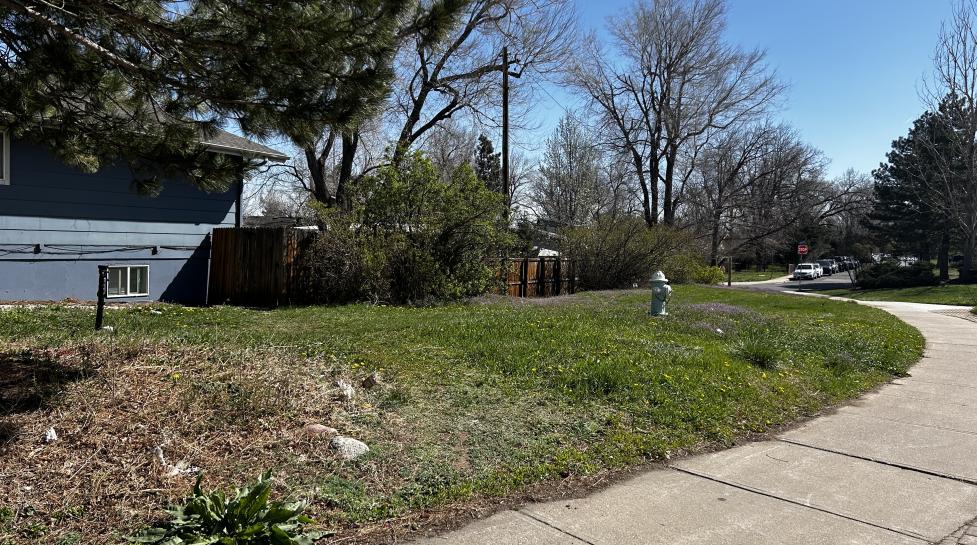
[(557, 275), (103, 280), (541, 278), (573, 276), (524, 277)]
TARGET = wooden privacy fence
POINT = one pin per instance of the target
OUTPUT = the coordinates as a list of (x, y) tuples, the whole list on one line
[(255, 265), (537, 276), (262, 266)]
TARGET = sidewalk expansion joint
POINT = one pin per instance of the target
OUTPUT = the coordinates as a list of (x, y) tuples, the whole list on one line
[(553, 526), (883, 462), (760, 492)]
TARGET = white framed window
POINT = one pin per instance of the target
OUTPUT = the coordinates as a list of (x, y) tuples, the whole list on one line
[(128, 281), (4, 158)]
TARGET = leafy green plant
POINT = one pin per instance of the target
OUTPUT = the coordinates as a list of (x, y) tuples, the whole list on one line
[(414, 234), (689, 267), (759, 349), (620, 252), (891, 274), (708, 275), (247, 518)]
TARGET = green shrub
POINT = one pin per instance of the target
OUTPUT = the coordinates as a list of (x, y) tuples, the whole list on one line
[(689, 268), (708, 275), (247, 518), (890, 274), (414, 234), (621, 252), (343, 264)]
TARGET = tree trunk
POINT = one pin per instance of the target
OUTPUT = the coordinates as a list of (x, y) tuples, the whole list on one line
[(350, 142), (643, 182), (943, 259), (967, 270), (653, 187), (667, 201), (316, 161), (714, 243)]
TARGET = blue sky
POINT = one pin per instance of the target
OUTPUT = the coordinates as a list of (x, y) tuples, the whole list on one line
[(854, 67)]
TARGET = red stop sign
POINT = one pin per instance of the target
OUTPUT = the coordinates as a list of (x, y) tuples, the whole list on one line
[(802, 249)]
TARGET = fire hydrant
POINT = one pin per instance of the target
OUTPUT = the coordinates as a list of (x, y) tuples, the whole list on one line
[(661, 292)]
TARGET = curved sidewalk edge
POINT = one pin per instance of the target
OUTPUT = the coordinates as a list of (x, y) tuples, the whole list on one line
[(897, 466)]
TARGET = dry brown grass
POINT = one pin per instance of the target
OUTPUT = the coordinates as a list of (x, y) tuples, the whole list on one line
[(231, 416)]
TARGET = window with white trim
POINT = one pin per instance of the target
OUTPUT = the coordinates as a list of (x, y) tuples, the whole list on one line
[(4, 158), (128, 281)]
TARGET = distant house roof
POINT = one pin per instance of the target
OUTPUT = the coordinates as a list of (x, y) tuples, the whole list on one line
[(276, 221), (225, 142)]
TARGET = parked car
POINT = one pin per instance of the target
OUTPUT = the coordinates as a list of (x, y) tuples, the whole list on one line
[(818, 269), (829, 266), (805, 271)]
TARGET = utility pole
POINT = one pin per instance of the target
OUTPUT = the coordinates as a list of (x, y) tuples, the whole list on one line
[(506, 181)]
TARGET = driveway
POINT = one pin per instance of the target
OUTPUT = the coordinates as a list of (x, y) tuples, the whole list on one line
[(897, 466)]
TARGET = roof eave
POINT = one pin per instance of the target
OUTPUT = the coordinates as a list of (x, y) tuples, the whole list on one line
[(230, 150)]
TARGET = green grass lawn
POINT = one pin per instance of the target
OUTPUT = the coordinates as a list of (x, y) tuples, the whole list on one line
[(949, 294), (754, 276), (477, 401)]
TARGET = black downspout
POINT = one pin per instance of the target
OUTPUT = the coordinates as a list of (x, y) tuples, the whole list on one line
[(237, 202)]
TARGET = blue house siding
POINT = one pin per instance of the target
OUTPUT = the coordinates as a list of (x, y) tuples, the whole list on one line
[(58, 224)]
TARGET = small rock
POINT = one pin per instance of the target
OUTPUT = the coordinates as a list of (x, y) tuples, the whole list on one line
[(348, 448), (346, 391), (50, 436), (170, 470), (371, 381), (319, 429)]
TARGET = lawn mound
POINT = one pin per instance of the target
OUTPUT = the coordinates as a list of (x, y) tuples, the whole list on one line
[(473, 404)]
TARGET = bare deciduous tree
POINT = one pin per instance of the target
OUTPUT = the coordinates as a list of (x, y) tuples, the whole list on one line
[(726, 169), (952, 93), (438, 80), (564, 193), (462, 73), (678, 83)]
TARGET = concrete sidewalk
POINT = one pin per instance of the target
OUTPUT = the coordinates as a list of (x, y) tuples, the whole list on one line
[(899, 466)]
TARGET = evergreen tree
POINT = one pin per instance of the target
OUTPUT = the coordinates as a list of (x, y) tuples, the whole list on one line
[(143, 81), (907, 217), (488, 164)]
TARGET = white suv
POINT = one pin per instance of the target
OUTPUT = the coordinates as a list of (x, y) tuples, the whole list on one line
[(806, 271)]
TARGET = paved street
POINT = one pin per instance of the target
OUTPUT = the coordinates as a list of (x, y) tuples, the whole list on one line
[(897, 466)]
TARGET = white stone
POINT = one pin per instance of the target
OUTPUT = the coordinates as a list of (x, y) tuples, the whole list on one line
[(346, 390), (50, 436), (348, 448)]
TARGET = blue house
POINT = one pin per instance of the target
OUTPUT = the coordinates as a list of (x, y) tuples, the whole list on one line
[(58, 224)]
